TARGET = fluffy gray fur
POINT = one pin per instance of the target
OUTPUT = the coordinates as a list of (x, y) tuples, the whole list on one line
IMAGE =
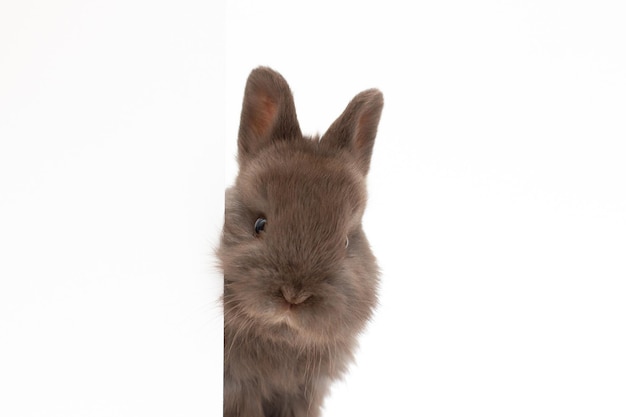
[(298, 292)]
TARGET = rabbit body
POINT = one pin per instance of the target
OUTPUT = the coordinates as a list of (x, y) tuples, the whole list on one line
[(300, 280)]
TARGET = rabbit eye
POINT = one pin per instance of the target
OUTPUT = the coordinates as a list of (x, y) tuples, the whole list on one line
[(259, 225)]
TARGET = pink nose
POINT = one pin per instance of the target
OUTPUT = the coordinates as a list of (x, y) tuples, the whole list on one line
[(293, 296)]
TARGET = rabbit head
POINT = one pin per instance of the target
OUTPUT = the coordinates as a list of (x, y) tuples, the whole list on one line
[(297, 266)]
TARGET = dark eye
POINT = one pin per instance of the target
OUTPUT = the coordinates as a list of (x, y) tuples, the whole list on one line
[(259, 225)]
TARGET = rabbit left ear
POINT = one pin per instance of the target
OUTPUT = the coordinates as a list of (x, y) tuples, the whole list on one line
[(268, 113), (355, 130)]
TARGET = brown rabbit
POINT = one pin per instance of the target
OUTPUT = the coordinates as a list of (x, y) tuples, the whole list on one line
[(300, 280)]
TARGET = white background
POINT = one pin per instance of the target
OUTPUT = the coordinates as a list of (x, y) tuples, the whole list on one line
[(111, 198), (497, 199)]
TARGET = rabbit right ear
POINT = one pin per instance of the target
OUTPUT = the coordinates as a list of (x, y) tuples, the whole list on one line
[(268, 113), (355, 130)]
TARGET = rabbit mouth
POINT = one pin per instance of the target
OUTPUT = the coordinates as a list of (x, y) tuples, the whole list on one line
[(291, 319), (286, 313)]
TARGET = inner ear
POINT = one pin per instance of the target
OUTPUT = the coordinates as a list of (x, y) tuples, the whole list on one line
[(263, 115)]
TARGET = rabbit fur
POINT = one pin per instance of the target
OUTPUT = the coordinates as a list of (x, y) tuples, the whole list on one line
[(300, 280)]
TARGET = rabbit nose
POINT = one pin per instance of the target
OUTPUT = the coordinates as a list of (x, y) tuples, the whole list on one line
[(293, 296)]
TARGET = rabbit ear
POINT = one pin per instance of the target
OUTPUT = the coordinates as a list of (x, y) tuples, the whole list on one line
[(355, 130), (268, 113)]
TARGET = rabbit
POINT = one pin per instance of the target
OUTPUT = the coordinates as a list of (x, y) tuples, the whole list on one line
[(300, 279)]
